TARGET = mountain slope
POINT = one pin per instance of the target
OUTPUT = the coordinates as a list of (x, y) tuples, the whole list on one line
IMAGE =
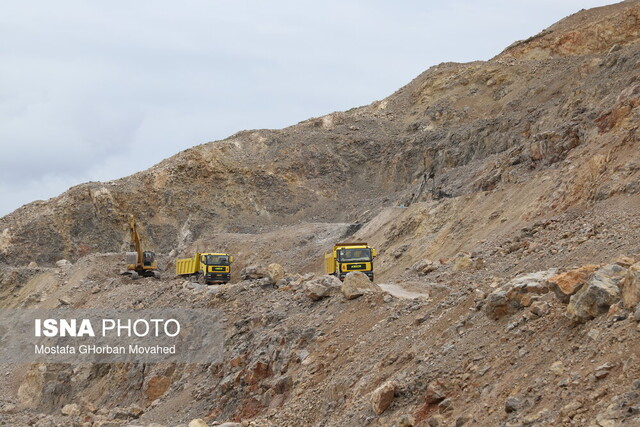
[(476, 127)]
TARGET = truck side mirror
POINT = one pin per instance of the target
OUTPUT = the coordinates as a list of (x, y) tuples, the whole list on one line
[(202, 259), (374, 252), (230, 259)]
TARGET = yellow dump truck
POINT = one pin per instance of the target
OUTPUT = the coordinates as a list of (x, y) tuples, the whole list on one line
[(347, 257), (212, 268)]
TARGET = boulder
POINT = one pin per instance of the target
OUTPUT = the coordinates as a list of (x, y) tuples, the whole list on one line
[(198, 422), (63, 263), (595, 298), (557, 368), (297, 281), (321, 287), (436, 421), (624, 261), (89, 406), (446, 405), (253, 272), (424, 266), (71, 410), (307, 277), (315, 290), (498, 305), (421, 318), (519, 292), (513, 404), (357, 284), (630, 287), (331, 281), (397, 253), (437, 391), (462, 261), (540, 308), (460, 421), (566, 284), (257, 371), (133, 411), (405, 420), (523, 294), (616, 312), (64, 300), (571, 409), (613, 272), (276, 272), (382, 397)]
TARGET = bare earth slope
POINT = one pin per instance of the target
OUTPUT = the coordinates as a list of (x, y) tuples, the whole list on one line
[(478, 184)]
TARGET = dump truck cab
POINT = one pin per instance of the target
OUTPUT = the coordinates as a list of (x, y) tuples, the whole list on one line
[(216, 267), (348, 257), (210, 267)]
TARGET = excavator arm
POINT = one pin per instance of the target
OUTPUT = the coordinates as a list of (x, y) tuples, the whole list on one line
[(136, 242)]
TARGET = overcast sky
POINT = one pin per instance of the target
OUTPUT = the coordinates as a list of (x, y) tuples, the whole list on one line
[(93, 91)]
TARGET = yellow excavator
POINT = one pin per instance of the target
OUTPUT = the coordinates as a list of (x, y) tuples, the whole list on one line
[(139, 262)]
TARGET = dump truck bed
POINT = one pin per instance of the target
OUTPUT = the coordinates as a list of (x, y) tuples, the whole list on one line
[(329, 263), (188, 265)]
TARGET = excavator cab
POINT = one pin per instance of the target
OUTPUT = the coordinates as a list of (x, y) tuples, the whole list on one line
[(148, 258)]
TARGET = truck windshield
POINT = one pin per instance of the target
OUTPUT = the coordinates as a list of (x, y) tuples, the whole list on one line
[(354, 255), (216, 260)]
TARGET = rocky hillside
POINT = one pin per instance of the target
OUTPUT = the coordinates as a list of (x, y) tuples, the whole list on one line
[(503, 198), (559, 105), (448, 343)]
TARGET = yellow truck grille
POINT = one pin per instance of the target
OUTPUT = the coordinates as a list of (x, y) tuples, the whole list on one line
[(361, 266)]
